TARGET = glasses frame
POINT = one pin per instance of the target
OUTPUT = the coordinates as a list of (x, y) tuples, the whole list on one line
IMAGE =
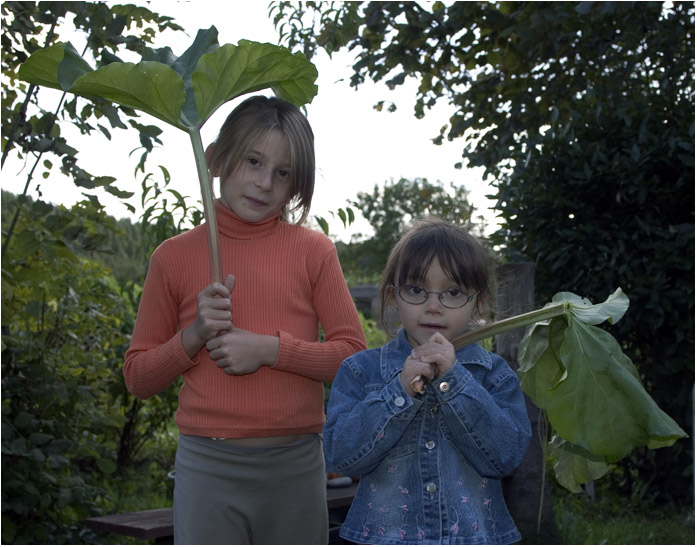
[(440, 294)]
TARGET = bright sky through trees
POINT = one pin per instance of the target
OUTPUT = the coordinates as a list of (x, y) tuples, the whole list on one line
[(357, 147)]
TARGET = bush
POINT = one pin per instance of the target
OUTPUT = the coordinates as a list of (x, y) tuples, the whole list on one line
[(68, 422)]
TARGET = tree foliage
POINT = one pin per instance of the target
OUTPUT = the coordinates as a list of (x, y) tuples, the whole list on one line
[(388, 209), (68, 422), (29, 128), (582, 114)]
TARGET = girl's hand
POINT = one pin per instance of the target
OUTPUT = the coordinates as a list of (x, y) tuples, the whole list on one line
[(414, 367), (239, 351), (213, 315), (437, 352)]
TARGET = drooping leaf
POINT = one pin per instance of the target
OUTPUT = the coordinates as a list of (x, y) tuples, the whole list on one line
[(539, 369), (611, 310), (601, 404), (323, 224), (573, 465), (590, 389)]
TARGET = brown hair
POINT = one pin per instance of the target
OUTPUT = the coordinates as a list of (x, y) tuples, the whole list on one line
[(462, 257), (251, 120)]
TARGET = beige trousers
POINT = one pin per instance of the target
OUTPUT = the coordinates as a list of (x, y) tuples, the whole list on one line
[(226, 494)]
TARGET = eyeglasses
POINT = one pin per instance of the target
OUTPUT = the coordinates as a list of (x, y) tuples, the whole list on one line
[(450, 298)]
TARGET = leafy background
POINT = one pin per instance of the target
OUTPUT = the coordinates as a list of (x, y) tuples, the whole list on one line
[(583, 116)]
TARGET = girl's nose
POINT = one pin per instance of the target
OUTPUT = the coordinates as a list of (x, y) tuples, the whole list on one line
[(433, 303), (265, 180)]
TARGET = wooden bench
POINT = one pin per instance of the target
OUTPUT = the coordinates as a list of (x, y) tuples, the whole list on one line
[(158, 524)]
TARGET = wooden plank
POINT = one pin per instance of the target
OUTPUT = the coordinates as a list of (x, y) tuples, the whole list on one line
[(159, 523), (341, 497), (151, 524)]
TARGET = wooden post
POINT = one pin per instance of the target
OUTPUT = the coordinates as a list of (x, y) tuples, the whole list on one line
[(527, 490)]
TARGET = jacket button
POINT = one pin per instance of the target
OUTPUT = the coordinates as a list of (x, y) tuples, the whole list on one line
[(431, 488), (430, 445), (444, 386), (399, 401)]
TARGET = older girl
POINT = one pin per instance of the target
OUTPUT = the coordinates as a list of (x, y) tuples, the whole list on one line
[(249, 465)]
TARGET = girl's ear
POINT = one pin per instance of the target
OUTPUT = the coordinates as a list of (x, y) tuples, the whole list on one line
[(481, 303), (209, 157)]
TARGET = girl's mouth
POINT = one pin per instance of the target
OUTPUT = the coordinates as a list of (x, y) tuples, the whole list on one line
[(255, 202), (432, 326)]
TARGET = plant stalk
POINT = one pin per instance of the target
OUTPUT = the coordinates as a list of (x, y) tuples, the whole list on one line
[(216, 268), (499, 327)]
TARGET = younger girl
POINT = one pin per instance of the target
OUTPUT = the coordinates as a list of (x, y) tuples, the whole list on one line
[(430, 464), (249, 465)]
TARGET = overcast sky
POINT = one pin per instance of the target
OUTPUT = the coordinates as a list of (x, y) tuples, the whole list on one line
[(356, 146)]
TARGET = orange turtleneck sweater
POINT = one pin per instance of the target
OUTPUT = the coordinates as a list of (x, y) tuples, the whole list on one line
[(288, 282)]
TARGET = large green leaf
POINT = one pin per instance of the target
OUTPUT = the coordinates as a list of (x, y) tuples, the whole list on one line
[(148, 86), (182, 91), (601, 405), (42, 66), (590, 389), (233, 70)]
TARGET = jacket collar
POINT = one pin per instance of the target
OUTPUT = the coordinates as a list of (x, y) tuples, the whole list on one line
[(395, 352)]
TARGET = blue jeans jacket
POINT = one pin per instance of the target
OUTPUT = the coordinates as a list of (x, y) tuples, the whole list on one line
[(430, 467)]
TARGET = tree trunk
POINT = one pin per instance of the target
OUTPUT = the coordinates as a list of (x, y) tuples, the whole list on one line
[(527, 490)]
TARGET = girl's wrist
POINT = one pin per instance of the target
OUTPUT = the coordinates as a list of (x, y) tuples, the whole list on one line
[(272, 345), (191, 342)]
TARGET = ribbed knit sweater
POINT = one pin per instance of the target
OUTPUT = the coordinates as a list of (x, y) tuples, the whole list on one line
[(288, 282)]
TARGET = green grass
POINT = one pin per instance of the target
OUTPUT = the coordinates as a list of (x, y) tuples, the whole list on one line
[(581, 521)]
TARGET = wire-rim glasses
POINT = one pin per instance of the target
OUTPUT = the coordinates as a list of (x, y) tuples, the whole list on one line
[(450, 298)]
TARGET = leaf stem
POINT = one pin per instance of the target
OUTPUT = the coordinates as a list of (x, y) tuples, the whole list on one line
[(204, 179), (499, 327)]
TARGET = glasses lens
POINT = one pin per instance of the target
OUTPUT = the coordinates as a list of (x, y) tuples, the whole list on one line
[(453, 298), (413, 294)]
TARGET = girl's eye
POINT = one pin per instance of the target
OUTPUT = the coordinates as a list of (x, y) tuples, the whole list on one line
[(455, 292), (414, 289), (253, 161), (284, 174)]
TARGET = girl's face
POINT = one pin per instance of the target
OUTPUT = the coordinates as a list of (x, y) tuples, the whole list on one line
[(260, 186), (421, 321)]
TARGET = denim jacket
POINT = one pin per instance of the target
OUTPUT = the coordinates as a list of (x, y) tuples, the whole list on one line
[(430, 467)]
